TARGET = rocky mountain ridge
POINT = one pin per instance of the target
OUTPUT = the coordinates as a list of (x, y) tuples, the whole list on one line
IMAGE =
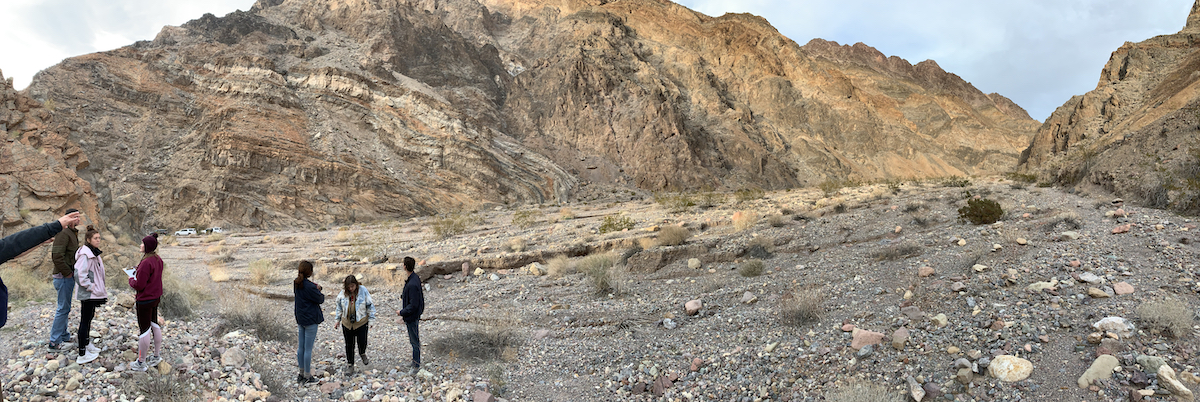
[(320, 112), (1134, 135)]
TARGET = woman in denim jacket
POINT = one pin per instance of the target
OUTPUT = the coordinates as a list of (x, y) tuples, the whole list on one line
[(354, 309)]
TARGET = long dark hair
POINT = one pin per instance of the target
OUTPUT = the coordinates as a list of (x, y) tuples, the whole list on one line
[(305, 271), (346, 285)]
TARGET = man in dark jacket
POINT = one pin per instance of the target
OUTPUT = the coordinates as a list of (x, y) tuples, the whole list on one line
[(413, 299), (25, 240), (62, 253)]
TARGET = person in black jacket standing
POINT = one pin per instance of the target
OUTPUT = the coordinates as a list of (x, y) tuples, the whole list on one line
[(308, 318), (18, 243), (413, 299)]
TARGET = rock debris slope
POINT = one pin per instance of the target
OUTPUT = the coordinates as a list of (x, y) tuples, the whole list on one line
[(313, 112)]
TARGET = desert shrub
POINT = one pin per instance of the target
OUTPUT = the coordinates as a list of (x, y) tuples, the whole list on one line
[(981, 211), (1022, 177), (675, 203), (711, 283), (155, 387), (452, 225), (748, 194), (276, 381), (497, 383), (516, 244), (213, 238), (862, 391), (261, 272), (486, 344), (894, 185), (1069, 220), (896, 252), (283, 240), (776, 221), (614, 223), (751, 268), (709, 199), (955, 181), (180, 298), (830, 187), (673, 235), (558, 266), (238, 311), (566, 214), (802, 307), (343, 235), (215, 249), (743, 220), (601, 269), (760, 247), (23, 284), (217, 271), (525, 219), (923, 219), (914, 206), (840, 208), (1171, 316)]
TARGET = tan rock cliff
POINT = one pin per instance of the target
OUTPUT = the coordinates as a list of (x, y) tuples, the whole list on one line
[(317, 112), (1135, 135)]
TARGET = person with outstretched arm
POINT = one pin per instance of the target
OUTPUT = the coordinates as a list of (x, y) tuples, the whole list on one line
[(413, 299), (18, 243)]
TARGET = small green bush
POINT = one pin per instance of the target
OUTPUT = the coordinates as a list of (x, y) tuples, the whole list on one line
[(981, 211), (709, 199), (955, 181), (1022, 177), (452, 225), (673, 235), (831, 187), (613, 223), (751, 268), (675, 203), (749, 194)]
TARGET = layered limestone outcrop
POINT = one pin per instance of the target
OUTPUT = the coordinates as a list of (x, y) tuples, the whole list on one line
[(320, 112), (38, 168), (1135, 135)]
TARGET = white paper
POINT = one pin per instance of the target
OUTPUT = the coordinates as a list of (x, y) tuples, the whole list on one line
[(130, 272)]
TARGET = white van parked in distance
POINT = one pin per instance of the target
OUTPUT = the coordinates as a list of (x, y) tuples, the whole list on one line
[(215, 229), (186, 232)]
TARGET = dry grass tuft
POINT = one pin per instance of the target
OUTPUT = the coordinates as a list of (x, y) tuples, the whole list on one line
[(180, 298), (155, 387), (603, 271), (516, 244), (558, 266), (217, 272), (751, 268), (802, 307), (23, 284), (213, 238), (1171, 316), (776, 221), (743, 220), (268, 321), (673, 235), (262, 272), (566, 214), (481, 344), (454, 224), (215, 249), (343, 235), (525, 219), (897, 251)]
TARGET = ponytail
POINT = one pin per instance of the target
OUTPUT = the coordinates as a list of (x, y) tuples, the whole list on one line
[(91, 231), (304, 271)]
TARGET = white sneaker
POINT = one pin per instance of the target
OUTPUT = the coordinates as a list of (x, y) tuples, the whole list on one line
[(92, 349), (153, 361), (87, 358), (138, 365)]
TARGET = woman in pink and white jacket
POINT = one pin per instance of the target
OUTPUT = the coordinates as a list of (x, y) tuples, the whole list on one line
[(90, 290)]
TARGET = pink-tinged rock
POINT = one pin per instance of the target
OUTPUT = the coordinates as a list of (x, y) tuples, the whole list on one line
[(847, 327), (1075, 263), (1120, 213), (1122, 229), (925, 271), (1026, 215), (482, 396), (693, 307), (697, 364), (331, 386), (1122, 288), (864, 337), (899, 338)]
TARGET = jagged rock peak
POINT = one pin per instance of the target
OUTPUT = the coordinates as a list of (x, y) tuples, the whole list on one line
[(1193, 21)]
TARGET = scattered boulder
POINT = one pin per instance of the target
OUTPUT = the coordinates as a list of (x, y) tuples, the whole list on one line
[(862, 337), (693, 263), (1101, 368), (1151, 364), (914, 389), (692, 307), (1097, 293), (233, 357), (925, 271), (748, 298), (1166, 378), (900, 338), (1010, 368), (1040, 286), (940, 320), (1122, 288), (1117, 325)]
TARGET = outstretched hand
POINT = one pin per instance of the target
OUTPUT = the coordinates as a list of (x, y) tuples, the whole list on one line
[(70, 219)]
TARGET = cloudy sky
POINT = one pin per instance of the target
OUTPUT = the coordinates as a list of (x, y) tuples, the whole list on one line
[(1037, 52)]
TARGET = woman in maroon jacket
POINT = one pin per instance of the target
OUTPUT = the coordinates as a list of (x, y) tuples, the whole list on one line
[(147, 281)]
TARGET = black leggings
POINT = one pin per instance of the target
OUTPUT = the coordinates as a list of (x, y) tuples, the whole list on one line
[(351, 335), (86, 314)]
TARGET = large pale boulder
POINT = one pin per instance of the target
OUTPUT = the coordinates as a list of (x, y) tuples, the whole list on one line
[(1010, 368)]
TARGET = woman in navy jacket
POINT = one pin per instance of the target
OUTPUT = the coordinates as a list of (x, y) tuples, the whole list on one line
[(308, 318)]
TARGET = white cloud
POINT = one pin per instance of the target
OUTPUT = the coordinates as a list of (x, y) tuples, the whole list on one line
[(36, 34)]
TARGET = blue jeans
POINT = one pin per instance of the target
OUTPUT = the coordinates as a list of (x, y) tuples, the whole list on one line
[(308, 336), (66, 289), (414, 339)]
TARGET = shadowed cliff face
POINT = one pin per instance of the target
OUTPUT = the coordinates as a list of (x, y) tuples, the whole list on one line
[(38, 164), (1135, 135), (317, 112)]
